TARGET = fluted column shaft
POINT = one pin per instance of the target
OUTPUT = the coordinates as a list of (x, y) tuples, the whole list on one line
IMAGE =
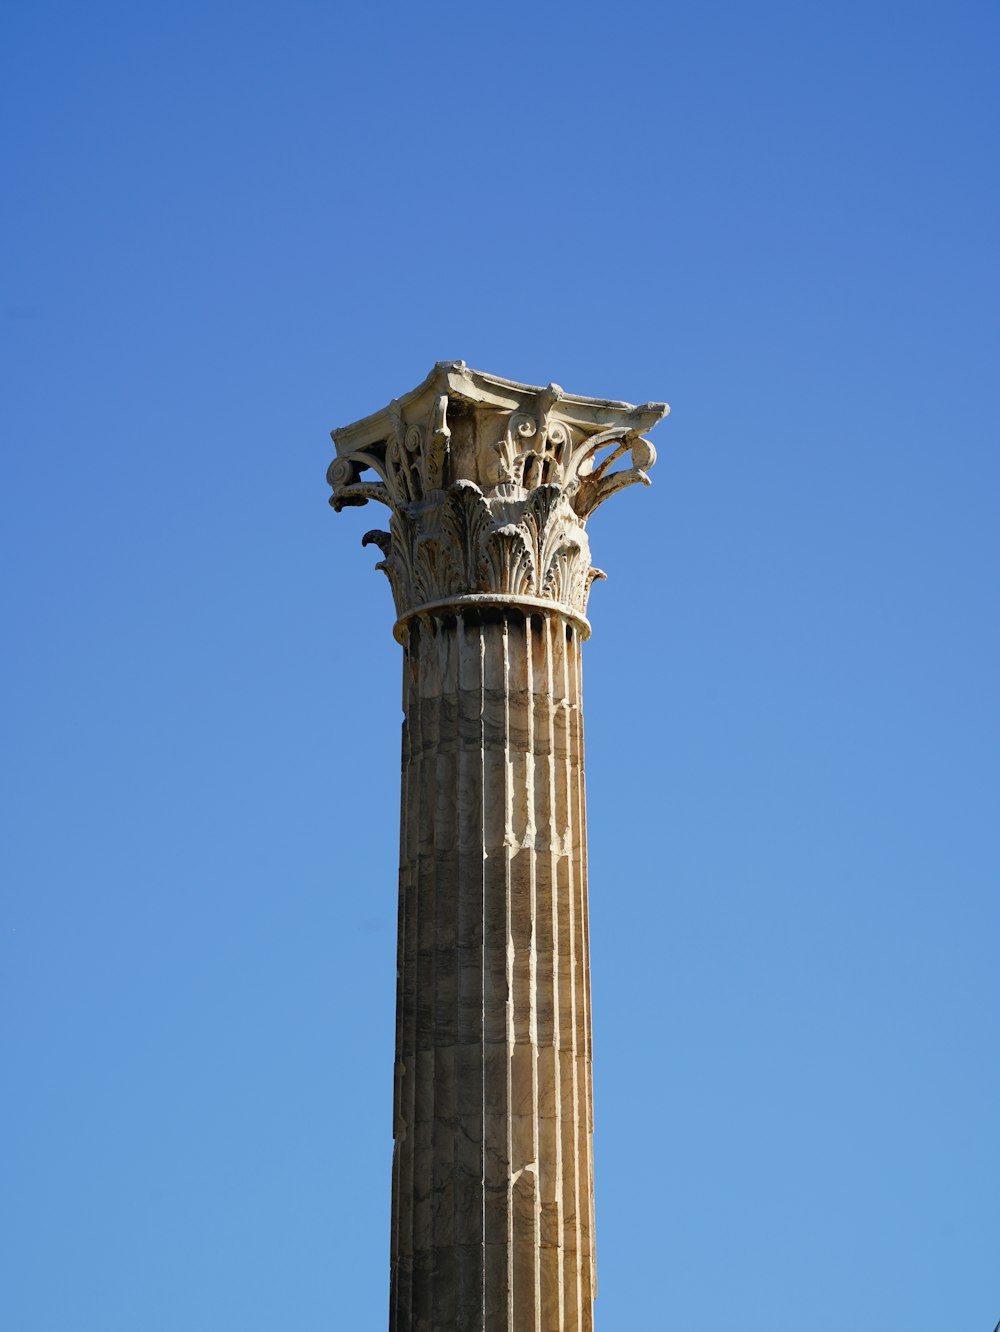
[(492, 1212), (490, 485)]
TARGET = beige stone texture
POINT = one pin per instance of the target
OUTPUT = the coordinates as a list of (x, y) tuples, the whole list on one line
[(490, 484)]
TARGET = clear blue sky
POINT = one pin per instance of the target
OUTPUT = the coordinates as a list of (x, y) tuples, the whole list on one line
[(229, 228)]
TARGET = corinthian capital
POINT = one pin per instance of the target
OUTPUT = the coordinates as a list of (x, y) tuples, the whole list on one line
[(490, 484)]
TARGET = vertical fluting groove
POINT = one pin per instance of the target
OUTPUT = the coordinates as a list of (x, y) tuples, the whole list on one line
[(521, 1045), (585, 1128), (406, 823), (512, 997), (492, 1176), (481, 1308), (546, 1002), (496, 991), (571, 1088), (407, 962), (530, 836), (423, 980), (579, 1320), (422, 1302), (552, 629), (446, 887), (466, 1126), (537, 1070)]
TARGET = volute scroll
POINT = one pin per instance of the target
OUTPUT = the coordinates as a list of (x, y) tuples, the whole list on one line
[(490, 484)]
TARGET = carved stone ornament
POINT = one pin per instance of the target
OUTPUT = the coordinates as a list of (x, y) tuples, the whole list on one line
[(490, 484)]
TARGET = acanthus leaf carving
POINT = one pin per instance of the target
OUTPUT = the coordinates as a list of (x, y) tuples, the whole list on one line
[(465, 516), (510, 561), (490, 484), (390, 564), (434, 567)]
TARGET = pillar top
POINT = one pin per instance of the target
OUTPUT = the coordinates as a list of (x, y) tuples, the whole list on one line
[(490, 483)]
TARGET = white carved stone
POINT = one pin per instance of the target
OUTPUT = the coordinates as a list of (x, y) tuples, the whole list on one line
[(490, 484)]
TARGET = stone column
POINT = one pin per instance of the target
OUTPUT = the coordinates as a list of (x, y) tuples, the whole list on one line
[(490, 484)]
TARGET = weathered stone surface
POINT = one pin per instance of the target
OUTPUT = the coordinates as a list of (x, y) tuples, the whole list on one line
[(490, 484)]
